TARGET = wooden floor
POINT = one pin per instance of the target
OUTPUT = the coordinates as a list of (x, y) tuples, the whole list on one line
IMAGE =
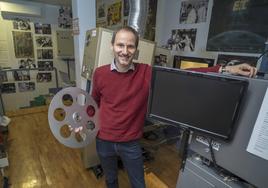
[(37, 159)]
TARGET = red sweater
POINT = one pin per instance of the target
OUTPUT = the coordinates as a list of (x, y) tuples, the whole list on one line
[(122, 100)]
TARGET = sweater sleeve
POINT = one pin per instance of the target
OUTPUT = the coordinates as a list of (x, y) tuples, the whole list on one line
[(207, 69), (95, 91)]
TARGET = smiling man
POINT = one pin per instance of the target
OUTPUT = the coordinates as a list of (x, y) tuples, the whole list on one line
[(121, 90)]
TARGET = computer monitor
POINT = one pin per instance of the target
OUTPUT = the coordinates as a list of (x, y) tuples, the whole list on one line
[(183, 62), (207, 103)]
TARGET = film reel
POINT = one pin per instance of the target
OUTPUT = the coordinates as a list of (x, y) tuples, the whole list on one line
[(72, 109)]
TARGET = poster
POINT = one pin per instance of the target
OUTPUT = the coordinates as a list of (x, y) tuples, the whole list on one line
[(243, 29), (23, 44), (114, 14)]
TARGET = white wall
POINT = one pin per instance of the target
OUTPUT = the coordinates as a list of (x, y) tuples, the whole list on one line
[(49, 16)]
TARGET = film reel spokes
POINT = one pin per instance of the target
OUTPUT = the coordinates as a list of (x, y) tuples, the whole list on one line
[(73, 116)]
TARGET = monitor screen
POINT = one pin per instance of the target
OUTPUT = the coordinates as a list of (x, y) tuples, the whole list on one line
[(183, 62), (207, 103)]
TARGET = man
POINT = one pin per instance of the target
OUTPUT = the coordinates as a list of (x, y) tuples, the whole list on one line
[(121, 91)]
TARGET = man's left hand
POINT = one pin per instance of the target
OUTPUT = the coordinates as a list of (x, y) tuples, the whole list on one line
[(242, 69)]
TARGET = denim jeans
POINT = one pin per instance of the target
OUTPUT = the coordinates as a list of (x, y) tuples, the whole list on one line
[(131, 156)]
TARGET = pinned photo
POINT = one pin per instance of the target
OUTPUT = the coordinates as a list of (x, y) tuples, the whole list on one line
[(8, 88), (45, 65), (43, 77), (21, 75), (26, 86)]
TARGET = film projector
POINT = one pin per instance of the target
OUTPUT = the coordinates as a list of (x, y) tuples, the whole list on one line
[(73, 114)]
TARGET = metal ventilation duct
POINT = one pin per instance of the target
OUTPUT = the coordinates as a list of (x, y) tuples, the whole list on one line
[(138, 10)]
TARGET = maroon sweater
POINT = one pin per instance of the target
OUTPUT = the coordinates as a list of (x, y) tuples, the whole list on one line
[(122, 100)]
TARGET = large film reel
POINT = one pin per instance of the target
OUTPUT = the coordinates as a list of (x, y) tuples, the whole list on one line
[(72, 109)]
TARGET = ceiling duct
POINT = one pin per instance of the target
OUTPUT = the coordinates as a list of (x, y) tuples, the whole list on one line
[(138, 10)]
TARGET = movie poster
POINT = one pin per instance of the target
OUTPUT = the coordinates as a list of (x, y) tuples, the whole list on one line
[(114, 14), (238, 26)]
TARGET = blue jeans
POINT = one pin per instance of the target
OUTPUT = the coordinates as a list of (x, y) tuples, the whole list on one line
[(131, 156)]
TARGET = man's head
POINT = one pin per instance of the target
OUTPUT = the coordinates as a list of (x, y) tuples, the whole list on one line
[(124, 45)]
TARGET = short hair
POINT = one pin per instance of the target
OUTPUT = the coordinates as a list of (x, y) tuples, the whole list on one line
[(129, 29)]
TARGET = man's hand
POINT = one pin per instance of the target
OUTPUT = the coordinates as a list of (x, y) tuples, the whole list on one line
[(242, 69)]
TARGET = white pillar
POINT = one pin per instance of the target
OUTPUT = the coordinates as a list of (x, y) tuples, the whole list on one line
[(85, 11)]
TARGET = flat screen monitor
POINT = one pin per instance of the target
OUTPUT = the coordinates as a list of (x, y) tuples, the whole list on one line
[(207, 103), (183, 62)]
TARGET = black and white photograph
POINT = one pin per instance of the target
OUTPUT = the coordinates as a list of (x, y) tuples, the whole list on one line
[(21, 75), (65, 17), (26, 86), (22, 24), (230, 60), (160, 60), (43, 77), (193, 11), (43, 41), (23, 44), (3, 76), (45, 65), (45, 54), (8, 88), (42, 28), (27, 64), (182, 40)]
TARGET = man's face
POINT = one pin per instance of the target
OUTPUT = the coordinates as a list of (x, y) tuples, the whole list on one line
[(124, 48)]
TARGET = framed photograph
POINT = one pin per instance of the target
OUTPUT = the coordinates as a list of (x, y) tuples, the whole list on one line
[(43, 41), (43, 77), (45, 65), (224, 59), (26, 86), (162, 57), (23, 44), (8, 88), (21, 75), (183, 62), (160, 60)]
